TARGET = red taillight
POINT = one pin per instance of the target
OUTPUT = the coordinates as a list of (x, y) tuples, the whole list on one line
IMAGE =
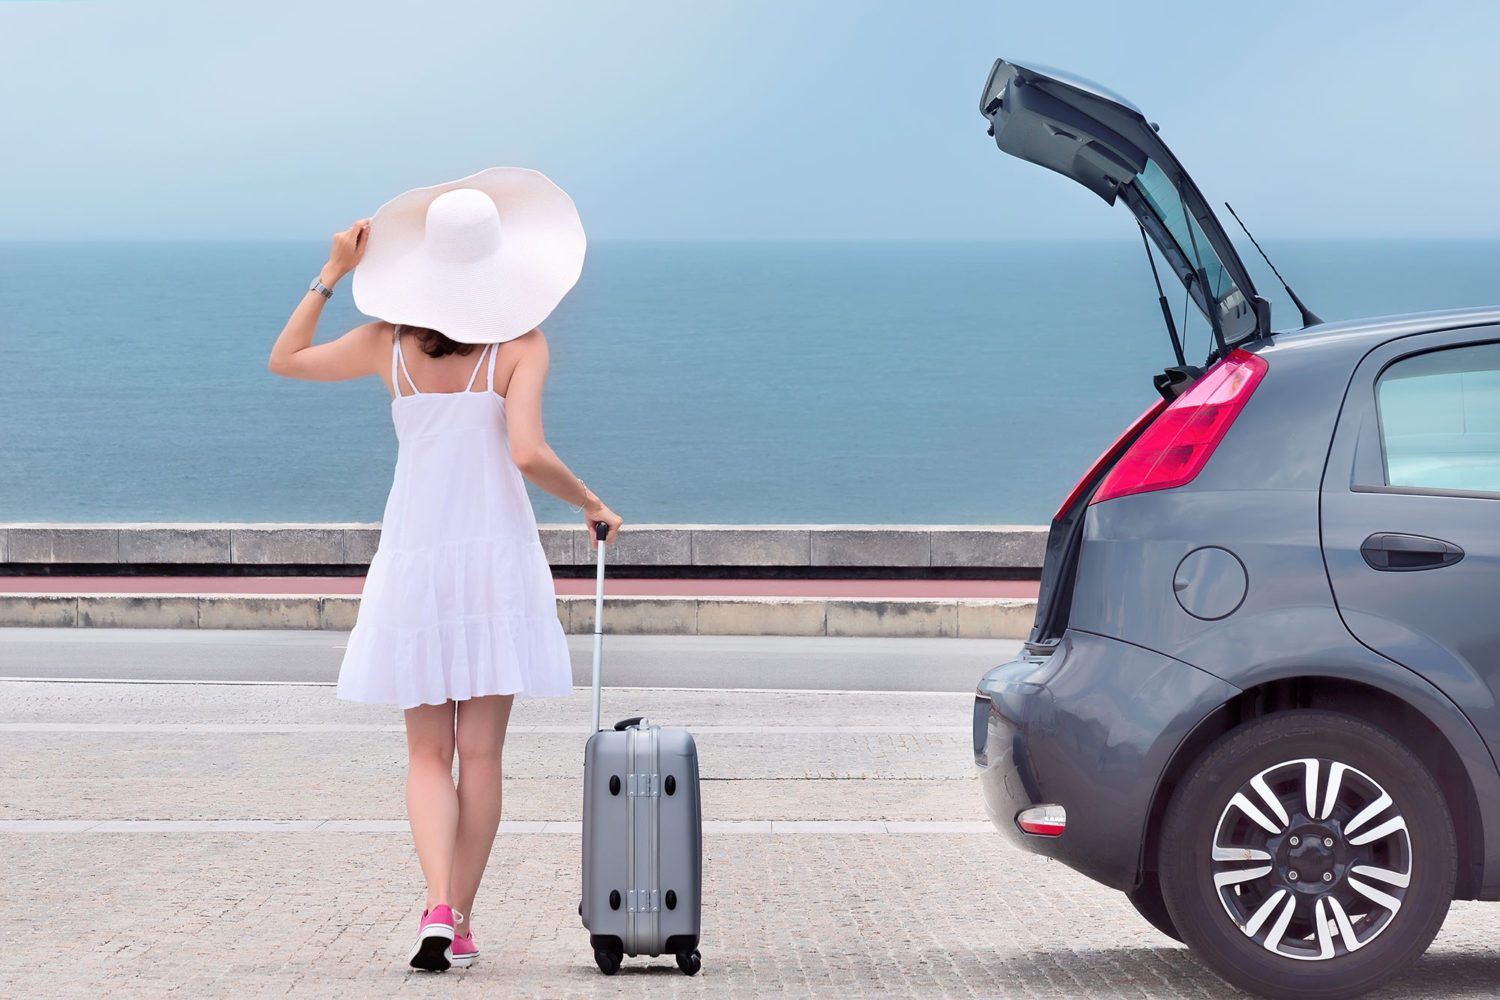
[(1178, 443), (1110, 454)]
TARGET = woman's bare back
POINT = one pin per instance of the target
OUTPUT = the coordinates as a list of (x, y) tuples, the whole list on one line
[(451, 372)]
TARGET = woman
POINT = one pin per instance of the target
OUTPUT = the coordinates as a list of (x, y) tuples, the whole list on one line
[(458, 614)]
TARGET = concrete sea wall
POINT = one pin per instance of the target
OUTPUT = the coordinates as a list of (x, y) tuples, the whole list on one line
[(1012, 549), (788, 552)]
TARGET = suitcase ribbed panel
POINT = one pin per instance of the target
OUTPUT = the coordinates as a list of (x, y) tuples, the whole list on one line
[(643, 823)]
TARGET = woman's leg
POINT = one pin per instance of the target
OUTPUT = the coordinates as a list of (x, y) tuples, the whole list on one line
[(431, 800), (481, 737)]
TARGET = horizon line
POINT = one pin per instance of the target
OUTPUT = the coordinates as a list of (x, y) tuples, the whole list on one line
[(32, 240)]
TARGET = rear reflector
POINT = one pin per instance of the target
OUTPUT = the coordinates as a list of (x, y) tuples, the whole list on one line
[(1177, 444), (1043, 821), (1110, 454)]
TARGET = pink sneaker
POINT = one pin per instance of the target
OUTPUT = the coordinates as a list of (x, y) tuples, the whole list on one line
[(464, 948), (434, 948), (464, 951)]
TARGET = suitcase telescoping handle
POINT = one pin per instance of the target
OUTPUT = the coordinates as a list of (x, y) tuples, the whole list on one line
[(601, 531)]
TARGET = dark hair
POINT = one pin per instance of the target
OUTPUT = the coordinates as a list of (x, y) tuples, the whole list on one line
[(435, 344)]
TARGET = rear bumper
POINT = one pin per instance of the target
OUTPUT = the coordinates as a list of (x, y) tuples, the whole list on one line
[(1009, 699), (1090, 728)]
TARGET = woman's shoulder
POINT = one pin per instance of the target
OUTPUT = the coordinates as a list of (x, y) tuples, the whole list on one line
[(376, 331), (532, 342)]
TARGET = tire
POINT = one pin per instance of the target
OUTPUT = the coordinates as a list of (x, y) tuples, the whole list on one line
[(1146, 898), (1327, 831)]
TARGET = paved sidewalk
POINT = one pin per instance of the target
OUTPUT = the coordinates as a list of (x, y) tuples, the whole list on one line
[(227, 840)]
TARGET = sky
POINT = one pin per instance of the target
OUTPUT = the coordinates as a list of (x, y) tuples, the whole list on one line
[(707, 119)]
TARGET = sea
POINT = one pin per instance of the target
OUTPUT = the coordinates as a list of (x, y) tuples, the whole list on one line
[(721, 382)]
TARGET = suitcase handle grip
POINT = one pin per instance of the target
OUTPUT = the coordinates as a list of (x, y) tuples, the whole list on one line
[(625, 724)]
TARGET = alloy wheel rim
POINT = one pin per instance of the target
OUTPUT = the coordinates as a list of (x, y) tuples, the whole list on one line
[(1311, 859)]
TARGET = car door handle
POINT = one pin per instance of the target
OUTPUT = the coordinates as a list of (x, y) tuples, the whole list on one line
[(1394, 552)]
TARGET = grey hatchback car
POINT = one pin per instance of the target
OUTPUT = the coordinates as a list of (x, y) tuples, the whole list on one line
[(1262, 692)]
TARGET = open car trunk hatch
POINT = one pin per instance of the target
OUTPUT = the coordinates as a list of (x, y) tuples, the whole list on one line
[(1105, 143)]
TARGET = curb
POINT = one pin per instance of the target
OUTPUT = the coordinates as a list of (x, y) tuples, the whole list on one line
[(965, 618), (1012, 548)]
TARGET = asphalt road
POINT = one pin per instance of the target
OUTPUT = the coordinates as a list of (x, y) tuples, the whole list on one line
[(752, 662)]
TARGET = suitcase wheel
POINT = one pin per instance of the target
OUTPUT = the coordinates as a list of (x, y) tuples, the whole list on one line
[(689, 962), (609, 961)]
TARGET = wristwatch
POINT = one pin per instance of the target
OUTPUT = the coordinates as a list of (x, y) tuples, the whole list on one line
[(322, 289)]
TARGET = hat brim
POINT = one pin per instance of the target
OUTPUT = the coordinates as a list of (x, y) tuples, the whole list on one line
[(488, 300)]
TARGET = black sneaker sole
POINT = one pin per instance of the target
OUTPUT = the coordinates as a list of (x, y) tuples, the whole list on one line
[(431, 954)]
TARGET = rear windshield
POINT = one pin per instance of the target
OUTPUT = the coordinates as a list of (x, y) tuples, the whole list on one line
[(1161, 195)]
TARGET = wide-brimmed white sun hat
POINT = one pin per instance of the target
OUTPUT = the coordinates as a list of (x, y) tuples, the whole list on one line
[(482, 259)]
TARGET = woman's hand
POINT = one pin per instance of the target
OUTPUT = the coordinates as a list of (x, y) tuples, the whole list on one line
[(348, 249), (593, 513)]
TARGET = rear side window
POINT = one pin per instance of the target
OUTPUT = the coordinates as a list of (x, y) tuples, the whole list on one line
[(1440, 420)]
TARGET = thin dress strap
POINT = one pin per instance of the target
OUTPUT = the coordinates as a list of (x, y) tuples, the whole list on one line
[(477, 365), (397, 356), (489, 377)]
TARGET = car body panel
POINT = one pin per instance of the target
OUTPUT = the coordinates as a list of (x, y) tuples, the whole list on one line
[(1439, 622), (1258, 497), (1259, 503)]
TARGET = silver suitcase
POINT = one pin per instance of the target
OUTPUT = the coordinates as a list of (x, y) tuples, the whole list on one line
[(642, 834)]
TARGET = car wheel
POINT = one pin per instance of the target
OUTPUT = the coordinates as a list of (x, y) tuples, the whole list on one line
[(1146, 898), (1308, 855)]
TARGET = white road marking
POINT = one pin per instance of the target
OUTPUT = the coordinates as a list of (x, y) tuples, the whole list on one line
[(190, 728), (774, 827), (576, 689)]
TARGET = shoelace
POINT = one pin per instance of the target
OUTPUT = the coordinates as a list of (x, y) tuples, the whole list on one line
[(458, 918)]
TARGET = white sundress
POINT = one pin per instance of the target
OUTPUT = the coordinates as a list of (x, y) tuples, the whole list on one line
[(459, 601)]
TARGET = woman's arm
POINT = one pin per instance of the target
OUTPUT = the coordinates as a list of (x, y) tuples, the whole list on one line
[(528, 445), (350, 356)]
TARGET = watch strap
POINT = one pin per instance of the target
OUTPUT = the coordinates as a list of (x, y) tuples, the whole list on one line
[(322, 289)]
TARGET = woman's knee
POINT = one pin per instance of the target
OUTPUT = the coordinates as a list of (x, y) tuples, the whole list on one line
[(481, 728), (480, 748), (429, 734), (435, 751)]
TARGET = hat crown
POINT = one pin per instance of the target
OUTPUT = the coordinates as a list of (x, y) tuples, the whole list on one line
[(463, 225)]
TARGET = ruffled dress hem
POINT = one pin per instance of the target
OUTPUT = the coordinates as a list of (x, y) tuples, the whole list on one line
[(469, 657)]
